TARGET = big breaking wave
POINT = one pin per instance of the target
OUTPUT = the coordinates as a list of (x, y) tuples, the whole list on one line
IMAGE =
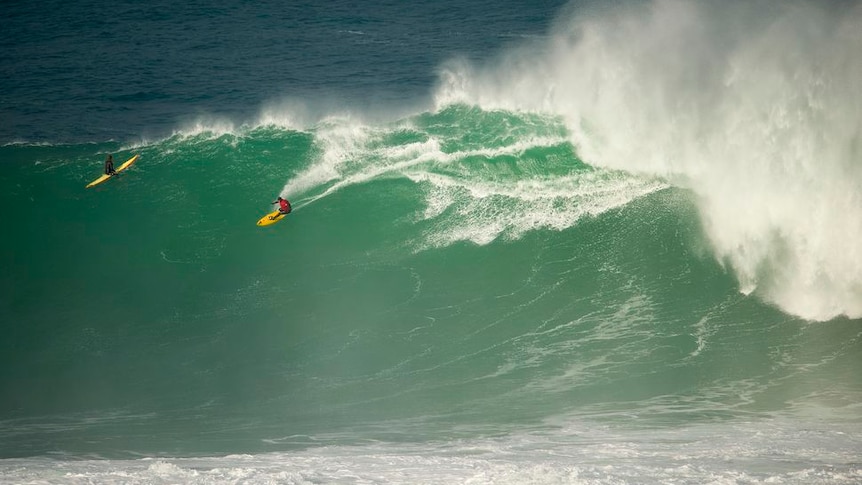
[(757, 108)]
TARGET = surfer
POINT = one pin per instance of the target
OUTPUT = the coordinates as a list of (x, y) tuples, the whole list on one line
[(109, 165), (283, 206)]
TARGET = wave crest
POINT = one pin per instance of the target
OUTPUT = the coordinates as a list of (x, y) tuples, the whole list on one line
[(755, 107)]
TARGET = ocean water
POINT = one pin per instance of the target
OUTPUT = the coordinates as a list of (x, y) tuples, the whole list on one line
[(532, 242)]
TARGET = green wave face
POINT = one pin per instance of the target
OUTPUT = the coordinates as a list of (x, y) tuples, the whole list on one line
[(453, 273)]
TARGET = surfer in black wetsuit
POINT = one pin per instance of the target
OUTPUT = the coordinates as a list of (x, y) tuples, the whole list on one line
[(109, 165), (283, 206)]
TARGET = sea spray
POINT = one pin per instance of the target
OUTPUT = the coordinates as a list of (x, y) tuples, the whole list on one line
[(756, 108)]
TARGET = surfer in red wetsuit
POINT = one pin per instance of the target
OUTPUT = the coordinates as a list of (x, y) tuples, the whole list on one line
[(283, 205)]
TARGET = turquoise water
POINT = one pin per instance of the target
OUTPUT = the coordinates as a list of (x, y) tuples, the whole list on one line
[(501, 281)]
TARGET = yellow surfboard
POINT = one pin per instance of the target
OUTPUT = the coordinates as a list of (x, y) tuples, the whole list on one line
[(122, 167), (271, 218)]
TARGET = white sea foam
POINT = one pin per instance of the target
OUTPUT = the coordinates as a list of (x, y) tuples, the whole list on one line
[(482, 211), (207, 125), (570, 452), (290, 114), (339, 139), (756, 107)]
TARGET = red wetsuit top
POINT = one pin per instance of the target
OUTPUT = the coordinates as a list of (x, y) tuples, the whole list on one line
[(284, 205)]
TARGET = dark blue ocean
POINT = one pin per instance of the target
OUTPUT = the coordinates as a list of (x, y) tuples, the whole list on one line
[(531, 242), (95, 71)]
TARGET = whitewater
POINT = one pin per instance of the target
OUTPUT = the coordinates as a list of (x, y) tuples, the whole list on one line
[(753, 107)]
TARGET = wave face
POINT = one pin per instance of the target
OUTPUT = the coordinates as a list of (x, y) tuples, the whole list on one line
[(456, 274), (753, 107)]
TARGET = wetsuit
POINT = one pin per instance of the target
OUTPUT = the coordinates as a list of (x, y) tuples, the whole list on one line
[(284, 206)]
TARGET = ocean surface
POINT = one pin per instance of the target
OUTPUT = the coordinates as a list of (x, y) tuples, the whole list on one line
[(532, 242)]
